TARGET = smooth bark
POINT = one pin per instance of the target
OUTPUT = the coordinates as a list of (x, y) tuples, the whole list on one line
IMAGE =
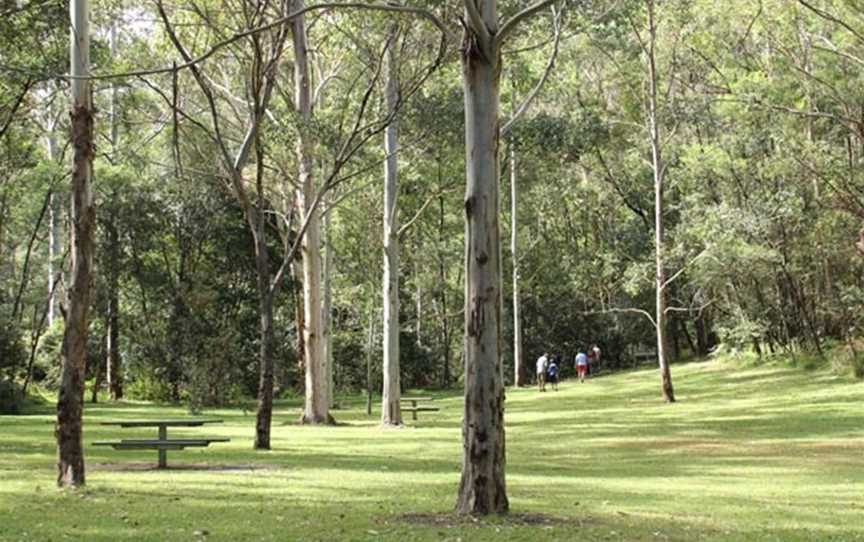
[(659, 182), (327, 307), (317, 408), (482, 488), (518, 370), (391, 413)]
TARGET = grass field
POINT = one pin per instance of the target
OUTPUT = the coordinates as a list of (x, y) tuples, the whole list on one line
[(751, 454)]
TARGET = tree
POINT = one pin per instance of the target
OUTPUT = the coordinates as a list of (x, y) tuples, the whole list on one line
[(317, 406), (659, 170), (70, 450), (482, 489), (391, 412)]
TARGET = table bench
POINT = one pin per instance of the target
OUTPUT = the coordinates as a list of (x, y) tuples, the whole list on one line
[(162, 444), (415, 408)]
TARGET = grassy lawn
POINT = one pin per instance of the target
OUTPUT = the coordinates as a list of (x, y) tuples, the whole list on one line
[(752, 454)]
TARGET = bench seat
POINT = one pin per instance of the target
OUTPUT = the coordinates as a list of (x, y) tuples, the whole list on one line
[(421, 409), (155, 444)]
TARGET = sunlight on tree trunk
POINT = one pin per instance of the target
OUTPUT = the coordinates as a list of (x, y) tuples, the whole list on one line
[(659, 174), (391, 413), (482, 489), (317, 409)]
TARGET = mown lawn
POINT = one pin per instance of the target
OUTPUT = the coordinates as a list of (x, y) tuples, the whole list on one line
[(753, 454)]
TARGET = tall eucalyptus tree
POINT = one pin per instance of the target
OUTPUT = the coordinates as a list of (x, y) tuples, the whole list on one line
[(70, 452)]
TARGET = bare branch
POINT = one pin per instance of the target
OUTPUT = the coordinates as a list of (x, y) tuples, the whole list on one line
[(509, 26), (526, 103), (833, 18), (476, 23), (642, 312), (190, 62)]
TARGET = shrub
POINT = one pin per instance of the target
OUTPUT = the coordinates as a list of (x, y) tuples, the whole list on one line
[(10, 397), (148, 386)]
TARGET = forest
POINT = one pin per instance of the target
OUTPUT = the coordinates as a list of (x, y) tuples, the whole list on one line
[(232, 203)]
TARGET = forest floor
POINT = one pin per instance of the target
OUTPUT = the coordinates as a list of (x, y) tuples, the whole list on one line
[(764, 453)]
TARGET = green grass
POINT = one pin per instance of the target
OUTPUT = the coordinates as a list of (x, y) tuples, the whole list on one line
[(768, 453)]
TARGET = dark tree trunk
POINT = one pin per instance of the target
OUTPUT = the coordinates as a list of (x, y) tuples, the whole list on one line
[(686, 333), (68, 430), (265, 382), (113, 363), (701, 336)]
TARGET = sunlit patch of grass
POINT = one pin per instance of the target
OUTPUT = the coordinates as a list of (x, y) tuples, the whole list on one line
[(757, 453)]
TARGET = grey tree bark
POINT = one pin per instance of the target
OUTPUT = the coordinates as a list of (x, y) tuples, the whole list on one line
[(659, 181), (391, 412), (482, 488), (326, 306), (317, 408), (68, 430), (518, 370), (55, 244)]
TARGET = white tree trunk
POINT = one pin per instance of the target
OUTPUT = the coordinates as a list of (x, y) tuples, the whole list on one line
[(482, 489), (70, 452), (659, 174), (326, 306), (391, 413), (317, 409), (518, 370)]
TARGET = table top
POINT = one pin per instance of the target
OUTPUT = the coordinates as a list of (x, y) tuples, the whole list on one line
[(161, 423), (416, 398)]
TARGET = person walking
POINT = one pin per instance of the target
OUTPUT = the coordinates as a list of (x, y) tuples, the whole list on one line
[(552, 373), (581, 366), (595, 363), (542, 365)]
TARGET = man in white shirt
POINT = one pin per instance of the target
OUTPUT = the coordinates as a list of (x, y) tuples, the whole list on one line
[(581, 366), (542, 364)]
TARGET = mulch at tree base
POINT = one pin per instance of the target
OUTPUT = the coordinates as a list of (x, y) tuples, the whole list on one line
[(450, 519)]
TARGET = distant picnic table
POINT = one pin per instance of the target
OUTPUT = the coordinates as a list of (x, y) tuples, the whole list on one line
[(163, 443), (415, 408)]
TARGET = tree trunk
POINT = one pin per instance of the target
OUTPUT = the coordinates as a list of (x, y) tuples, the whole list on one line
[(442, 282), (370, 344), (317, 410), (265, 306), (112, 348), (326, 308), (97, 378), (659, 174), (518, 376), (113, 362), (54, 219), (70, 452), (299, 318), (391, 413), (482, 488)]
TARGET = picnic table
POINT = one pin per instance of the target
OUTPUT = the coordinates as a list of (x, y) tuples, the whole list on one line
[(415, 408), (163, 443)]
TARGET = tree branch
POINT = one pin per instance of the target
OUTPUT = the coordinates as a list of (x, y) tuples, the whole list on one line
[(510, 25), (526, 103), (642, 312), (833, 18), (476, 23)]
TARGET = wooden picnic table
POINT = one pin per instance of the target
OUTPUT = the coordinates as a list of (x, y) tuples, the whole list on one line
[(415, 408), (163, 443)]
